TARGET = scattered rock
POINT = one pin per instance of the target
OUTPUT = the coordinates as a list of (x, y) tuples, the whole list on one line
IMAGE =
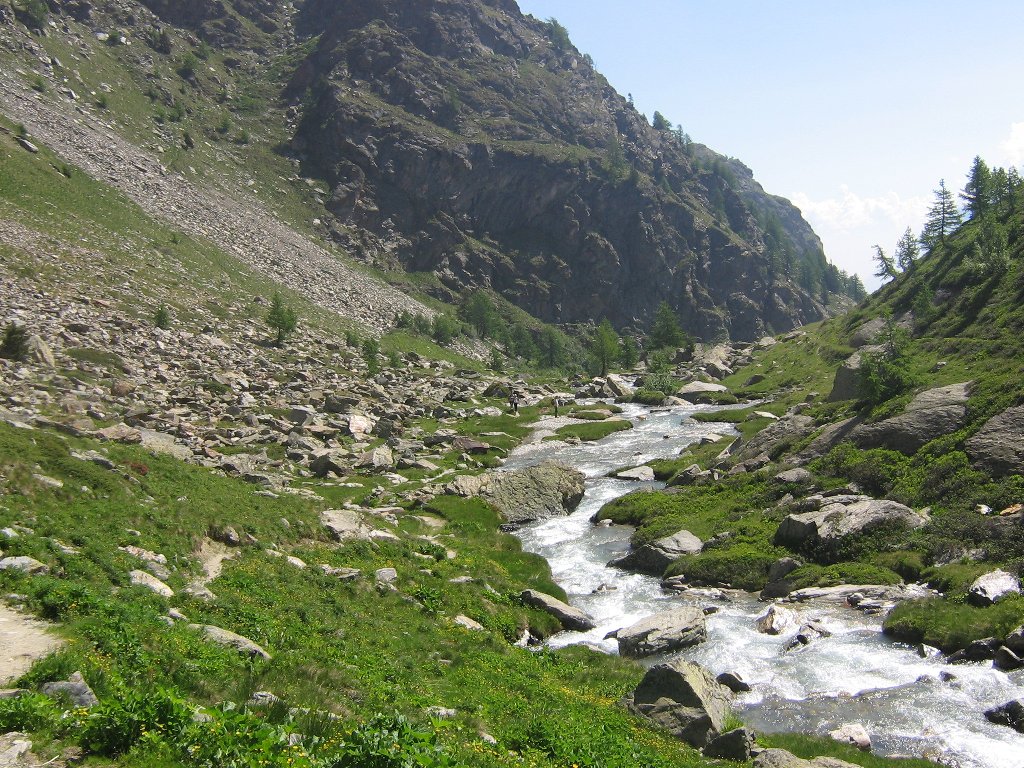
[(737, 744), (998, 447), (75, 688), (776, 620), (232, 640), (733, 682), (150, 582), (931, 414), (639, 474), (824, 528), (23, 563), (780, 758), (853, 734), (1006, 660), (798, 475), (653, 558), (546, 490), (468, 623), (1011, 713), (345, 524), (807, 633)]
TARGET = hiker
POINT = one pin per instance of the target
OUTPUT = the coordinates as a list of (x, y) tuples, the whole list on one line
[(513, 402), (555, 401)]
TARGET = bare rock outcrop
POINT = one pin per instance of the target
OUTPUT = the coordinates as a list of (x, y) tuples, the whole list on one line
[(998, 447)]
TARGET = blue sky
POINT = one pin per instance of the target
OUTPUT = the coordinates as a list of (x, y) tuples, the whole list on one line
[(853, 111)]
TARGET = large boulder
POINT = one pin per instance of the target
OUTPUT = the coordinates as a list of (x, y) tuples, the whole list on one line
[(824, 529), (774, 437), (567, 615), (931, 414), (998, 447), (684, 699), (535, 493), (654, 557), (992, 587), (663, 632), (846, 385)]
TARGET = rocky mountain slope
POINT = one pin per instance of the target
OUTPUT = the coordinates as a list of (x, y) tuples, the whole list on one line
[(459, 140), (465, 139)]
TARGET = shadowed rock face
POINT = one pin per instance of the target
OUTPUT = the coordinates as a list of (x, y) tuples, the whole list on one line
[(458, 138), (998, 447)]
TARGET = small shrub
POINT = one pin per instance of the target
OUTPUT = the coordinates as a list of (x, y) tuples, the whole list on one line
[(38, 84), (351, 339), (188, 66), (14, 345), (371, 355), (281, 318), (162, 317)]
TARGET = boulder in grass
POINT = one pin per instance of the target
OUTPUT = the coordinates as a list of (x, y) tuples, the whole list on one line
[(683, 698), (225, 637), (992, 587)]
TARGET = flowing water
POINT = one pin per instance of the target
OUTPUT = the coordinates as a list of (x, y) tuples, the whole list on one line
[(910, 705)]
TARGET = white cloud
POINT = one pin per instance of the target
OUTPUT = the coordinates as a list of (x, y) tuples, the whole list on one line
[(850, 224), (850, 211), (1013, 147)]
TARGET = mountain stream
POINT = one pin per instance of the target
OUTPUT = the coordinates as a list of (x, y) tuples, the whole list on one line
[(911, 706)]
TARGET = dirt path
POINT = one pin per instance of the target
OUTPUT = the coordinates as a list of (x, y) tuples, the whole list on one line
[(22, 641)]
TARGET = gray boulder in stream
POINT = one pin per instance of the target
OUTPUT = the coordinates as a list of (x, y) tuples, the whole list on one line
[(684, 699), (654, 557), (546, 490), (663, 632)]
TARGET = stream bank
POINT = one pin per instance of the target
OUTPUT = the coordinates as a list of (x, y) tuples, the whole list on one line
[(909, 705)]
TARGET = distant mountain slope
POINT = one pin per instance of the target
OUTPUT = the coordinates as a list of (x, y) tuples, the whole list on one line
[(467, 139)]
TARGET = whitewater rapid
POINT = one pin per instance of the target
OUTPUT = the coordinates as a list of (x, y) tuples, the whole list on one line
[(910, 706)]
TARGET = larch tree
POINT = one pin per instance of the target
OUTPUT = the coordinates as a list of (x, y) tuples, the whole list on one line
[(885, 266), (907, 251), (977, 194), (943, 218)]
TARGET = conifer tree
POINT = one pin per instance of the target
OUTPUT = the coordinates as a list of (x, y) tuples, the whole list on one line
[(665, 330), (977, 194), (907, 251), (885, 267), (604, 347), (943, 218)]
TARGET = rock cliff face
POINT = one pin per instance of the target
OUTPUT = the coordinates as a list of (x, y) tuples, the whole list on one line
[(462, 138)]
